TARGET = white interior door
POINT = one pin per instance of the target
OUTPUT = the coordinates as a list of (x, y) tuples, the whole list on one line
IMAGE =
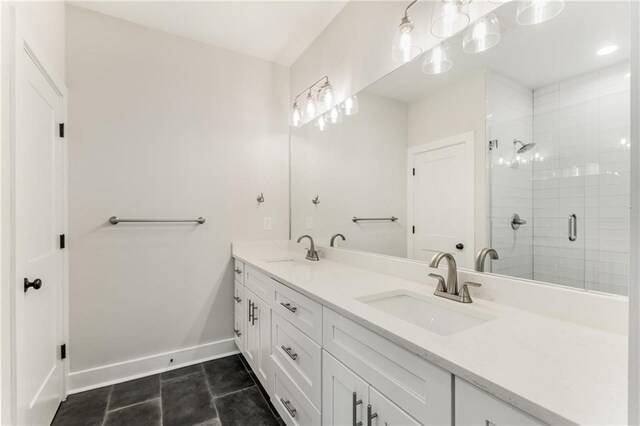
[(39, 222), (441, 199)]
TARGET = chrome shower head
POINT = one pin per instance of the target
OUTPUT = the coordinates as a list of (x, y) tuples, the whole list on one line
[(524, 146)]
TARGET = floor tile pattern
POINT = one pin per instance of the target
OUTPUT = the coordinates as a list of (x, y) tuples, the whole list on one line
[(215, 393)]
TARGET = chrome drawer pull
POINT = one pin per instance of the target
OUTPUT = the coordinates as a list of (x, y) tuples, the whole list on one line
[(250, 310), (287, 405), (289, 307), (355, 404), (289, 352), (370, 416), (238, 300), (237, 332), (238, 271), (253, 310)]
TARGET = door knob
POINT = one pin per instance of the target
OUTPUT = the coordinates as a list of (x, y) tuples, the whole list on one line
[(36, 284), (459, 246)]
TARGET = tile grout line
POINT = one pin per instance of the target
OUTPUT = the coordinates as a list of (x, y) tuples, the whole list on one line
[(131, 405), (213, 400), (160, 391), (269, 403), (106, 409)]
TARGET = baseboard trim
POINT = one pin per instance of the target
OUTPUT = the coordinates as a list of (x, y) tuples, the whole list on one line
[(119, 372)]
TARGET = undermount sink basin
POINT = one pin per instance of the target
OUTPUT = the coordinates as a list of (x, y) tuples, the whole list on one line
[(286, 261), (427, 312)]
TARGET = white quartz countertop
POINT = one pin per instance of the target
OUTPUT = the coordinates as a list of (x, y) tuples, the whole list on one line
[(557, 371)]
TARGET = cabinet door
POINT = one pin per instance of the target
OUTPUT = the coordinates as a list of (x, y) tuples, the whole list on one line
[(383, 412), (475, 407), (258, 343), (345, 395), (239, 323)]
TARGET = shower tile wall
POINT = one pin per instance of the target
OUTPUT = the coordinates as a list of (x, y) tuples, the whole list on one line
[(581, 128), (509, 116)]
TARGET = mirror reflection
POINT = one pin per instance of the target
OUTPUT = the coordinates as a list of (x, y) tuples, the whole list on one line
[(522, 148)]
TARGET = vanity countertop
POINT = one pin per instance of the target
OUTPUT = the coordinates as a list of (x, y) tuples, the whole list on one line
[(557, 371)]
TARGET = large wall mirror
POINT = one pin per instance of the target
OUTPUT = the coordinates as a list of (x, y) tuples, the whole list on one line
[(523, 148)]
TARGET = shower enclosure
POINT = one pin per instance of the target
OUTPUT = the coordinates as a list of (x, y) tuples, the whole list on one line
[(558, 170)]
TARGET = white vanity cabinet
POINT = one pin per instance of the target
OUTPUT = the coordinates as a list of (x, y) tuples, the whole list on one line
[(239, 323), (258, 342), (475, 407)]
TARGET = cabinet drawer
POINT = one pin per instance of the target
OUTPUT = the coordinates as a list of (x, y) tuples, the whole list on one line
[(259, 283), (299, 356), (417, 386), (290, 402), (239, 315), (475, 407), (299, 310), (238, 270)]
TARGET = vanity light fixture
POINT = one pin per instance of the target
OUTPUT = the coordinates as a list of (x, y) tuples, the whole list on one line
[(605, 50), (482, 35), (532, 12), (350, 106), (296, 115), (321, 123), (437, 60), (326, 96), (449, 17), (404, 48), (321, 91), (334, 116)]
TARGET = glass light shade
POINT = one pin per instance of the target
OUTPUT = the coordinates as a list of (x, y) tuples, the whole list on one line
[(532, 12), (350, 106), (334, 116), (437, 60), (404, 48), (327, 96), (310, 107), (448, 18), (321, 123), (296, 115), (482, 35)]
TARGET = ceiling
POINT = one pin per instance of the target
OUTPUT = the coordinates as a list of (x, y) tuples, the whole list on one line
[(276, 31), (534, 56)]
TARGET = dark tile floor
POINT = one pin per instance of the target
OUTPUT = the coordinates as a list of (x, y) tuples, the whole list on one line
[(220, 392)]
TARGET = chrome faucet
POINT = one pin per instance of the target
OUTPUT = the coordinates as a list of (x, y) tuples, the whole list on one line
[(333, 239), (449, 288), (482, 256), (312, 254)]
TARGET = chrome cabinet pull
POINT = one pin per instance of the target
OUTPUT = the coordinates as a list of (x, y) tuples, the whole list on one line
[(289, 307), (370, 416), (355, 403), (287, 405), (253, 312), (238, 300), (573, 227), (238, 271), (289, 352), (237, 332), (250, 311)]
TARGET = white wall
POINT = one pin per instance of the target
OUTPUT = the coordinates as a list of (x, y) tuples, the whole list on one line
[(46, 20), (452, 110), (357, 168), (509, 117), (164, 127)]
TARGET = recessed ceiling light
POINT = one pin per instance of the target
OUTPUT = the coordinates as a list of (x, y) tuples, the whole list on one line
[(610, 48)]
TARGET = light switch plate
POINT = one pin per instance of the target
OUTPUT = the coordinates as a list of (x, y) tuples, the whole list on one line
[(309, 222), (266, 223)]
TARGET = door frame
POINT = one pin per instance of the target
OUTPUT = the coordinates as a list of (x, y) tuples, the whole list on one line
[(468, 138), (16, 38)]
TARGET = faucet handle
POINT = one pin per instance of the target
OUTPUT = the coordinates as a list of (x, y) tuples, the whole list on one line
[(441, 283), (466, 297)]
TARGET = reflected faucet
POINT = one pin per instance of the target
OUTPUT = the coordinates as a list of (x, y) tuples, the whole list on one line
[(312, 254), (482, 256), (333, 239), (449, 288)]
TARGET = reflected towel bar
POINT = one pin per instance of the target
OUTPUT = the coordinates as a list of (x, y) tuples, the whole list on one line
[(114, 220), (358, 219)]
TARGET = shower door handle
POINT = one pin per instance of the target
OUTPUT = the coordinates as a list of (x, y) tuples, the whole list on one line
[(573, 227)]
